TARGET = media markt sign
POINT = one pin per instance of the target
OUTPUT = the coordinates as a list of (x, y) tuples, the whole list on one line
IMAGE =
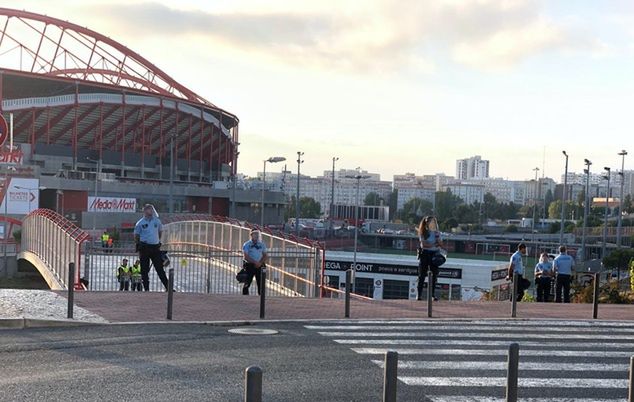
[(111, 204)]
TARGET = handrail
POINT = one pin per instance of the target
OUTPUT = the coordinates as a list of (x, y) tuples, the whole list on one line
[(55, 242)]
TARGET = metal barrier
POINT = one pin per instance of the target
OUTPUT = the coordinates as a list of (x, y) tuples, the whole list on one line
[(51, 242), (197, 271), (294, 268)]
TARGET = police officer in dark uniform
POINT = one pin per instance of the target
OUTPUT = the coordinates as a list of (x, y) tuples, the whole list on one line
[(147, 235)]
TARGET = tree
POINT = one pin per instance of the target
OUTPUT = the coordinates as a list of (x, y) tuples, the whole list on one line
[(548, 199), (618, 258), (308, 208), (393, 203), (446, 203), (554, 209), (415, 209), (372, 199)]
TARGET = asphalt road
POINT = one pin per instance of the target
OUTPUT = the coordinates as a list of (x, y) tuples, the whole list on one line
[(319, 361)]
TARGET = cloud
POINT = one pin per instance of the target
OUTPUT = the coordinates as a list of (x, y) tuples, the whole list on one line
[(380, 35)]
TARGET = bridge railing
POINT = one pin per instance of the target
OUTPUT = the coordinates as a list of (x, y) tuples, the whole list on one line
[(55, 241), (294, 268)]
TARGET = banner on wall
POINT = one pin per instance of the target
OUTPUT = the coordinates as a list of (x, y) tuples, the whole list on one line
[(111, 204)]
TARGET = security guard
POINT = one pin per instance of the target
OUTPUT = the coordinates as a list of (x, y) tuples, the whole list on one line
[(516, 266), (135, 276), (147, 236), (123, 274), (563, 265), (255, 256)]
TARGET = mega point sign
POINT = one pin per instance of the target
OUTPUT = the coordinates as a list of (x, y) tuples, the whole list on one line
[(111, 204)]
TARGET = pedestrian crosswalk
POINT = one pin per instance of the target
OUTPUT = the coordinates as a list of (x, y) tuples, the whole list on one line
[(466, 360)]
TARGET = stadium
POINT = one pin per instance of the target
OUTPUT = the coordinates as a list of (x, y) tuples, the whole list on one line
[(100, 128)]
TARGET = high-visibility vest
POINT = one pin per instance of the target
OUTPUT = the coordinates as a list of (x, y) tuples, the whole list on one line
[(136, 271), (124, 271), (105, 237)]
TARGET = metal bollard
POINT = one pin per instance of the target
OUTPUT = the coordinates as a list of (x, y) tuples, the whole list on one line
[(512, 373), (262, 292), (514, 296), (429, 293), (630, 394), (348, 290), (595, 299), (170, 293), (390, 375), (253, 384), (71, 289)]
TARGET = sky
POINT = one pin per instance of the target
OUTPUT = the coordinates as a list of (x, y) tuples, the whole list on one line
[(395, 86)]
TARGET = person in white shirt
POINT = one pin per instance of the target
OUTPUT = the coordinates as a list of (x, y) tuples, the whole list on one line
[(543, 278), (516, 266)]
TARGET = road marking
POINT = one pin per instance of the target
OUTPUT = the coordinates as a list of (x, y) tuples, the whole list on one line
[(468, 343), (611, 337), (488, 365), (492, 352), (481, 328), (488, 399), (539, 325), (589, 383)]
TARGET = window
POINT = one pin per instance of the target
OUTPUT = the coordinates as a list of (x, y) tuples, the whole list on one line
[(364, 286), (395, 289)]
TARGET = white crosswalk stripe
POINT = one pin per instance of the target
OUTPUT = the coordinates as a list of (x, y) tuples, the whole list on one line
[(466, 360)]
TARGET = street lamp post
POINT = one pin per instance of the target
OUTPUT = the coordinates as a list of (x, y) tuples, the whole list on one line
[(620, 216), (332, 193), (234, 172), (358, 178), (586, 208), (535, 198), (564, 198), (272, 159), (299, 163), (607, 207)]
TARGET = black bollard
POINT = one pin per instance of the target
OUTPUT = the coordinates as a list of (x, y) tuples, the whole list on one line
[(512, 372), (390, 375), (630, 395), (170, 293), (429, 293), (253, 384), (262, 292), (595, 299), (348, 290), (514, 296), (71, 289)]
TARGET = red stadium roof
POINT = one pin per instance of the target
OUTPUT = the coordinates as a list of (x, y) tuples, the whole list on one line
[(70, 87), (52, 47)]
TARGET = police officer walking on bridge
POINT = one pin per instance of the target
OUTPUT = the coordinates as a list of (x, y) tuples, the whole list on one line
[(147, 236)]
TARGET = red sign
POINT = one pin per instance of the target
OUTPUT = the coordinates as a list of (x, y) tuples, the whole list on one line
[(4, 130), (14, 156)]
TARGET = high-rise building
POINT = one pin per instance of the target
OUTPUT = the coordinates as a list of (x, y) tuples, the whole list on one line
[(472, 168)]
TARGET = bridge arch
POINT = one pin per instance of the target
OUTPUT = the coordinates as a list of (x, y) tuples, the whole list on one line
[(50, 242)]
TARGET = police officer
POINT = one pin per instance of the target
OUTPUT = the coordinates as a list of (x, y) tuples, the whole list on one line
[(563, 265), (147, 236), (254, 259), (516, 266)]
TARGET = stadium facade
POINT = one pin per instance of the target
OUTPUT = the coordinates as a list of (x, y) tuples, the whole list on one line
[(102, 130)]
